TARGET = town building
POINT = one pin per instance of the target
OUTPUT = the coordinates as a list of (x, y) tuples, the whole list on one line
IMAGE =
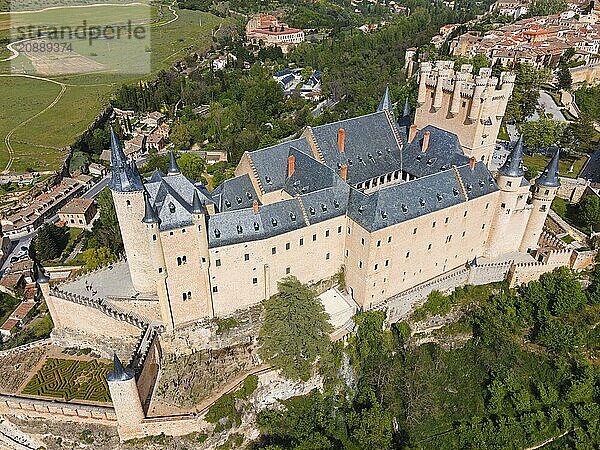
[(31, 216), (78, 213), (267, 30)]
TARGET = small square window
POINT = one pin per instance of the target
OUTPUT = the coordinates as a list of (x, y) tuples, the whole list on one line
[(483, 226), (246, 256), (433, 224), (254, 280), (327, 256), (378, 243), (326, 233), (314, 237), (376, 267), (170, 233), (487, 205), (301, 241), (160, 270), (414, 231), (287, 270), (360, 264), (389, 239), (509, 183), (273, 250), (215, 289), (183, 230), (153, 237), (339, 229), (407, 254), (287, 245), (362, 241), (465, 214), (349, 230), (387, 262), (463, 234), (446, 220), (218, 262), (429, 247), (346, 253)]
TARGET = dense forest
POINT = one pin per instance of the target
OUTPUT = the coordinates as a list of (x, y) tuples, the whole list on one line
[(528, 374)]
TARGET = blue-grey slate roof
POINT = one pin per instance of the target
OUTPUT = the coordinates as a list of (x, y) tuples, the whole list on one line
[(309, 174), (372, 147), (477, 182), (244, 225), (271, 163), (443, 151), (326, 203), (235, 193), (172, 197)]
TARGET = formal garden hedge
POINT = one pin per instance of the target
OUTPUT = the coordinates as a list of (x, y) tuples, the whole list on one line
[(71, 379)]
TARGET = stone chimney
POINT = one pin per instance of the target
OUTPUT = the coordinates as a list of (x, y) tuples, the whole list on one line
[(255, 206), (425, 144), (472, 163), (291, 165), (344, 172), (412, 132), (341, 139)]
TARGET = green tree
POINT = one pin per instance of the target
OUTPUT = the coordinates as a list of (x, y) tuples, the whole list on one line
[(524, 99), (371, 426), (589, 210), (558, 336), (541, 133), (106, 229), (295, 330), (547, 7), (192, 165), (98, 257), (580, 136), (564, 77), (49, 242)]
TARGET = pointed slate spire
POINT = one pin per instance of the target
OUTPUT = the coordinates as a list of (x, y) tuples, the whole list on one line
[(150, 215), (513, 167), (124, 174), (173, 166), (197, 207), (549, 176), (406, 109), (119, 373), (404, 121), (386, 102)]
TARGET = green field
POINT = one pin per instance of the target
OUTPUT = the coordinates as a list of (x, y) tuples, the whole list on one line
[(71, 379), (539, 162), (36, 144)]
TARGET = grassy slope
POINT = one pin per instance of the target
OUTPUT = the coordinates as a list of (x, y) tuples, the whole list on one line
[(539, 162), (58, 127)]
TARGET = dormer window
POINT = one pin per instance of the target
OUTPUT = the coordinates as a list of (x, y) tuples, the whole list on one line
[(268, 180), (455, 192), (217, 233), (404, 208), (383, 215), (273, 221), (422, 202), (481, 183), (238, 199), (227, 203), (361, 208), (256, 226), (379, 153), (239, 229), (249, 195), (439, 197), (323, 207), (171, 207), (293, 217), (469, 187), (312, 211), (336, 204), (419, 157)]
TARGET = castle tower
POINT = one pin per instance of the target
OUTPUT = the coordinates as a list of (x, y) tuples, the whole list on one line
[(152, 227), (471, 106), (509, 177), (544, 191), (201, 231), (405, 121), (128, 196), (386, 102), (126, 400)]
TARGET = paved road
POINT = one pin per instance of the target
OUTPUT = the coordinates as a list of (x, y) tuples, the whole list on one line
[(546, 102), (95, 189)]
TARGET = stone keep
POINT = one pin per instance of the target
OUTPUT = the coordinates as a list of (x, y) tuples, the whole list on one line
[(471, 106)]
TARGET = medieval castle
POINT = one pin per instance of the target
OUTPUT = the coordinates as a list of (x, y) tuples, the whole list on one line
[(389, 203)]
